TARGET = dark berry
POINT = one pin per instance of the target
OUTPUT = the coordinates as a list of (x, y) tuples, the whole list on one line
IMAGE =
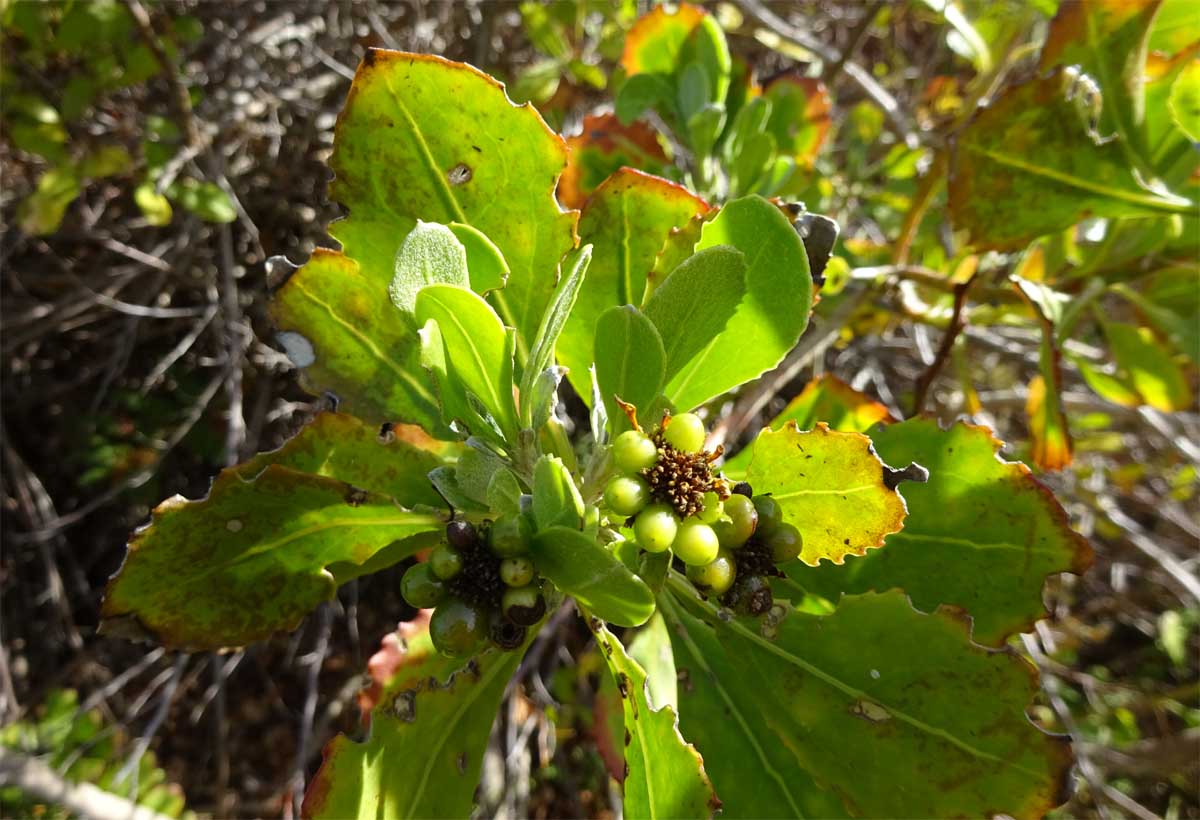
[(743, 488), (461, 534), (750, 595), (506, 634)]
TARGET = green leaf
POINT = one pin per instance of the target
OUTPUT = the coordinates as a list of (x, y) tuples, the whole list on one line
[(594, 576), (831, 486), (1184, 102), (1027, 165), (665, 776), (427, 740), (626, 220), (982, 534), (456, 411), (651, 648), (940, 720), (706, 47), (488, 269), (481, 162), (695, 303), (542, 355), (477, 349), (556, 499), (1106, 385), (206, 200), (42, 212), (640, 93), (251, 558), (504, 493), (155, 207), (630, 362), (430, 254), (828, 399), (655, 43), (799, 115), (767, 322), (693, 91), (1152, 371), (338, 325)]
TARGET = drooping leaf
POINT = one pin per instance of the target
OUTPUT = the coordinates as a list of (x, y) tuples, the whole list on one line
[(799, 118), (831, 486), (1027, 165), (768, 320), (936, 724), (602, 148), (630, 362), (582, 568), (829, 399), (430, 254), (339, 326), (551, 327), (1152, 371), (427, 738), (477, 347), (627, 220), (481, 162), (982, 534), (695, 303), (252, 558), (665, 777), (556, 499)]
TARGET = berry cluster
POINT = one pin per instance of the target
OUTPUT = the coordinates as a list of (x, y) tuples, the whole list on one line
[(730, 542), (482, 584)]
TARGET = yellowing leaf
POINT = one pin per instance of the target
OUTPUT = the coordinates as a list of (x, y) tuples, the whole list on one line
[(1152, 371)]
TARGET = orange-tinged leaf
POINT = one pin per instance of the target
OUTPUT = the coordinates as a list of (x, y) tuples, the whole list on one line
[(1050, 441), (799, 118), (600, 149), (654, 42)]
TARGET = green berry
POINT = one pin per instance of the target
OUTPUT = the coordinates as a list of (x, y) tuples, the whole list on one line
[(785, 543), (713, 509), (457, 628), (445, 561), (695, 543), (633, 452), (770, 515), (715, 577), (516, 572), (739, 522), (524, 606), (509, 536), (626, 495), (685, 432), (421, 588), (655, 528)]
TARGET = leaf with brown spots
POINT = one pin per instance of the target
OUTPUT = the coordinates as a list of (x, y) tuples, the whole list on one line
[(981, 535), (666, 777), (427, 737), (255, 557), (831, 486), (894, 712)]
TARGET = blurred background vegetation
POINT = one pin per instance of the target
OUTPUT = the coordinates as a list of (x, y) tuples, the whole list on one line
[(156, 156)]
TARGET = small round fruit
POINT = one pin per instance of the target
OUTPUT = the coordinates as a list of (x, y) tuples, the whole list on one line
[(516, 572), (770, 515), (715, 577), (506, 634), (743, 488), (739, 522), (685, 432), (785, 543), (421, 588), (445, 561), (524, 606), (633, 452), (713, 509), (626, 495), (695, 543), (509, 536), (750, 595), (461, 534), (457, 628), (655, 528)]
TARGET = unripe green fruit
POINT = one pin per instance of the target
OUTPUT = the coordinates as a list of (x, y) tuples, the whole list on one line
[(509, 536), (715, 577), (626, 495), (655, 528), (695, 543), (633, 452), (739, 522), (785, 543), (516, 572), (524, 606), (421, 588), (770, 515), (685, 432), (445, 561), (713, 508), (457, 628)]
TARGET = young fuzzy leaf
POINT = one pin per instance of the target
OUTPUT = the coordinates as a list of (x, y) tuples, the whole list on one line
[(580, 567), (430, 254)]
